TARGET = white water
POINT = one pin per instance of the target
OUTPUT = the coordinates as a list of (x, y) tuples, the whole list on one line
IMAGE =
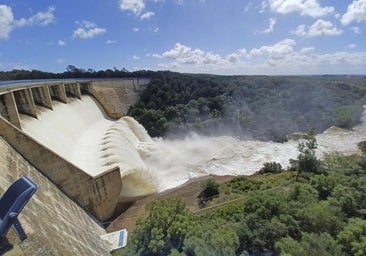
[(80, 133)]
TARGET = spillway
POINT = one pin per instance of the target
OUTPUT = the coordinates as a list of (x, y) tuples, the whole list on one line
[(80, 132)]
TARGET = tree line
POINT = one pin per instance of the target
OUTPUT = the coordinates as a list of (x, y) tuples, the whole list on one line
[(72, 72)]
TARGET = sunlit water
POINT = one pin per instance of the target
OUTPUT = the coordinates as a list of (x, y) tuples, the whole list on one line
[(82, 134)]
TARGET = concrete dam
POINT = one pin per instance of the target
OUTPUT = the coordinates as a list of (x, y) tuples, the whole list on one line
[(76, 134)]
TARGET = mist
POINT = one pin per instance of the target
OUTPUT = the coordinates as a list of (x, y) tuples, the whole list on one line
[(149, 165)]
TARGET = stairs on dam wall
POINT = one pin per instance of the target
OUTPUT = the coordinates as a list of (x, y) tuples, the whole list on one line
[(54, 224)]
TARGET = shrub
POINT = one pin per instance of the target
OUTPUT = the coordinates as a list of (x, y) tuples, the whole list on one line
[(362, 146), (271, 167), (210, 190)]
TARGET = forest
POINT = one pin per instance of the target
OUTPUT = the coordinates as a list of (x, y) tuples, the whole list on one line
[(263, 107), (315, 207)]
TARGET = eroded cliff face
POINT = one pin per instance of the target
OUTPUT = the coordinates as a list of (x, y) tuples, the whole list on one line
[(54, 224)]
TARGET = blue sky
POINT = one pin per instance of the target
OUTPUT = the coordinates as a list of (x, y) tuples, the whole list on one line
[(270, 37)]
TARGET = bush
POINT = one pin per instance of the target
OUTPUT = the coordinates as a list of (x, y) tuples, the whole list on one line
[(362, 146), (271, 167), (210, 190)]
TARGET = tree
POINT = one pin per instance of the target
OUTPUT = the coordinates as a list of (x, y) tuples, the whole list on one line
[(324, 184), (154, 121), (212, 237), (345, 198), (353, 237), (258, 235), (210, 190), (163, 231), (346, 116), (306, 161), (362, 146), (74, 69), (271, 167), (310, 244), (321, 217)]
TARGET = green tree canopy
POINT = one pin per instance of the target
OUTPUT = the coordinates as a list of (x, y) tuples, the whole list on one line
[(163, 231)]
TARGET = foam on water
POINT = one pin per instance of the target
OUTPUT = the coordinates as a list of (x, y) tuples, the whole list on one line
[(81, 133)]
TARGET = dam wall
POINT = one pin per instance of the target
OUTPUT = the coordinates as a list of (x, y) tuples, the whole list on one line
[(54, 224), (116, 99), (98, 194)]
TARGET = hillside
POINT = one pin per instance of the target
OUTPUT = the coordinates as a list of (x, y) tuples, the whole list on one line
[(263, 107)]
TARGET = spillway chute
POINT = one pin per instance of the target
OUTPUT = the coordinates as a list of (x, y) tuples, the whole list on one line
[(81, 133)]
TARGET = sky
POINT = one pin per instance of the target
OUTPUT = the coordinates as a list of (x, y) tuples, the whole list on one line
[(226, 37)]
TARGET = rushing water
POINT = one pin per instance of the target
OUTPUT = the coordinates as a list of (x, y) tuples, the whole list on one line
[(81, 133)]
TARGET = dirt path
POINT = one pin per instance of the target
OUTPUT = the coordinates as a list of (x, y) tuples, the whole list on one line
[(188, 192)]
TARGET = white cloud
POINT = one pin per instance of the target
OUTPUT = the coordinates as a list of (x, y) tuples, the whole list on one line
[(319, 28), (356, 30), (43, 18), (135, 29), (60, 60), (61, 43), (307, 50), (237, 55), (304, 7), (279, 50), (136, 6), (147, 15), (186, 55), (111, 42), (134, 57), (352, 46), (156, 30), (247, 7), (8, 23), (87, 30), (356, 12), (40, 18), (300, 31), (270, 29), (278, 58)]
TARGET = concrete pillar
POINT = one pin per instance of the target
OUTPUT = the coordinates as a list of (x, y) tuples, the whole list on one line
[(42, 96), (73, 90), (85, 87), (9, 110), (58, 92), (25, 102)]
